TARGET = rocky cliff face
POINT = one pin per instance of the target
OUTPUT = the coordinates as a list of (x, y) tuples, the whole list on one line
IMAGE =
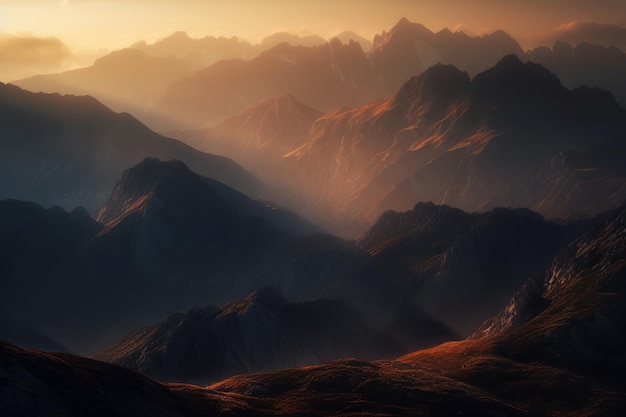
[(575, 315)]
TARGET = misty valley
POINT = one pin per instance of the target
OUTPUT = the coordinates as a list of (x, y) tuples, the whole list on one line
[(420, 224)]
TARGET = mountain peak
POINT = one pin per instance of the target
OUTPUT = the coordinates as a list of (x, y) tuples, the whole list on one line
[(265, 297), (150, 177), (512, 79), (438, 83), (404, 26), (510, 61)]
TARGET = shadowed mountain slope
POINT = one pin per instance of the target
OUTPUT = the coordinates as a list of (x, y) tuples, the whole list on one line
[(170, 239), (69, 150), (561, 356), (586, 64), (323, 77)]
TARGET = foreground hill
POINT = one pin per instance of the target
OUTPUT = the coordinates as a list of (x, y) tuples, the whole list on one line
[(127, 80), (70, 151)]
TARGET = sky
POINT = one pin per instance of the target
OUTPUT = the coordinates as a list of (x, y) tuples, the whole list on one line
[(80, 28)]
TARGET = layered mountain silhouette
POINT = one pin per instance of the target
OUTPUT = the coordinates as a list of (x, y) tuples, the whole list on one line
[(410, 48), (259, 136), (322, 77), (474, 144), (262, 331), (331, 75), (70, 150), (596, 33), (169, 239), (198, 53), (557, 348), (585, 64), (127, 80), (181, 83)]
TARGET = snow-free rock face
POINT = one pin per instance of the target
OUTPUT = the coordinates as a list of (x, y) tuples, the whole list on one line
[(462, 268), (262, 331), (70, 151), (575, 314), (473, 144)]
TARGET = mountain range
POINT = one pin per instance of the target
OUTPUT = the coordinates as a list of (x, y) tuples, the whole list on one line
[(70, 150), (426, 224), (557, 348), (168, 239), (218, 77), (512, 136), (195, 83)]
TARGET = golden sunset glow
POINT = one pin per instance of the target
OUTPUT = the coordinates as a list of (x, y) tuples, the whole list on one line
[(95, 24)]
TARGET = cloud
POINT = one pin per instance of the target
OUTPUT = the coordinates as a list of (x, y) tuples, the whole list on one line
[(21, 54)]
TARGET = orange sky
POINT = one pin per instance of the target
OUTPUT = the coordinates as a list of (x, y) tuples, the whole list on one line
[(95, 24), (112, 24)]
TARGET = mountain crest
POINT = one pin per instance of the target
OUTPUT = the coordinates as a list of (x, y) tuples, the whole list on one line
[(266, 297), (438, 83), (148, 179)]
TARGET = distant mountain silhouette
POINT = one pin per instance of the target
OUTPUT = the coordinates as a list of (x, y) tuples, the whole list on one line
[(127, 80), (260, 135), (461, 267), (69, 150), (277, 38), (198, 53), (323, 77), (346, 36), (605, 34), (410, 48), (262, 331), (585, 64), (332, 75)]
